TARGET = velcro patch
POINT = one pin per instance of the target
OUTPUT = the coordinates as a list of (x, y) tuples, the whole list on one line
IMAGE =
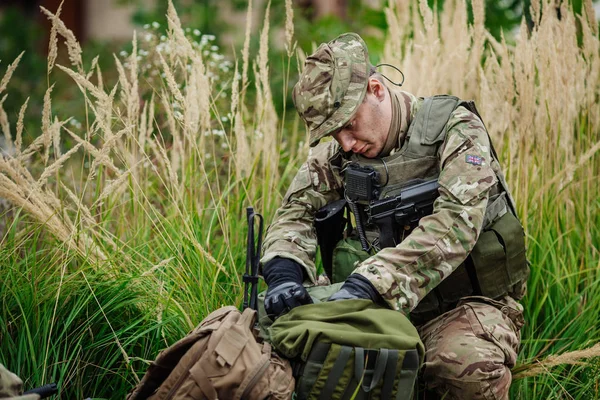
[(473, 159)]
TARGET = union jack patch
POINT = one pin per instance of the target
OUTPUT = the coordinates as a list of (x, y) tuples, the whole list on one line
[(473, 159)]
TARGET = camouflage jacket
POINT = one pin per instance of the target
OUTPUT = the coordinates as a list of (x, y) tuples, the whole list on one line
[(404, 274)]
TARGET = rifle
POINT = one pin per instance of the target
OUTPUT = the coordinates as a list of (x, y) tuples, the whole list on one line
[(250, 278), (404, 209), (44, 391)]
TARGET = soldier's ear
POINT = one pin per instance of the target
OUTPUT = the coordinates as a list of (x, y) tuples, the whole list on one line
[(376, 87)]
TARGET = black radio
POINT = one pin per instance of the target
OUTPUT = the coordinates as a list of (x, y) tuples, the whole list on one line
[(361, 183)]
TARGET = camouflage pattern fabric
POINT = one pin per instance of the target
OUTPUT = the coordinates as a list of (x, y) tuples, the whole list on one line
[(470, 349), (11, 386), (332, 86), (404, 274)]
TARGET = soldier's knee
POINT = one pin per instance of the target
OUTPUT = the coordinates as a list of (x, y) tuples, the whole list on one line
[(469, 353)]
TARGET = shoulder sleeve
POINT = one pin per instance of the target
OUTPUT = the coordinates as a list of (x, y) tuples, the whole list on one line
[(292, 234), (441, 242)]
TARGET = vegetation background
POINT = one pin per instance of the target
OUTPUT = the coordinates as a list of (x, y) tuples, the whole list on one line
[(126, 171)]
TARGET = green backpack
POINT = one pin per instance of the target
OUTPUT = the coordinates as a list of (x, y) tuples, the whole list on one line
[(349, 349)]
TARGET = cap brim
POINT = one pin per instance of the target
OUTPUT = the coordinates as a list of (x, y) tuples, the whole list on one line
[(343, 114)]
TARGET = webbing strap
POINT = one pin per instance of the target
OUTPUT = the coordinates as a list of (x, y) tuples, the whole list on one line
[(408, 374), (198, 373), (390, 374), (359, 368), (336, 373)]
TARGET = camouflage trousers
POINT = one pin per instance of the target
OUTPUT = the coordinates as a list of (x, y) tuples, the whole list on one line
[(470, 350)]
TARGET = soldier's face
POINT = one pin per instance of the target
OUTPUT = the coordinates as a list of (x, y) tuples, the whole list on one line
[(367, 131)]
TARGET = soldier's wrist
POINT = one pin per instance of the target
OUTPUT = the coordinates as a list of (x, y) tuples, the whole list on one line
[(280, 270)]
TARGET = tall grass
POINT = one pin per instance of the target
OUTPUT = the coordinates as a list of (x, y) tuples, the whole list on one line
[(128, 227)]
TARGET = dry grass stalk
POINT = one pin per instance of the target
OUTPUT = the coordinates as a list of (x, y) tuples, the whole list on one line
[(5, 126), (112, 186), (80, 207), (158, 266), (133, 102), (100, 158), (246, 51), (55, 132), (55, 167), (92, 68), (171, 82), (266, 114), (577, 357), (9, 71), (46, 122), (176, 134), (53, 42), (73, 47), (289, 28), (243, 163), (22, 191), (86, 84), (19, 138)]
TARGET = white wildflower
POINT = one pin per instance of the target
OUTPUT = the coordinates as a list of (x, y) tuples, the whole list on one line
[(155, 25)]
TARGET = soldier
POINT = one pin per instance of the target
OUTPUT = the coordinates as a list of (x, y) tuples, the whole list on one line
[(460, 272), (11, 387)]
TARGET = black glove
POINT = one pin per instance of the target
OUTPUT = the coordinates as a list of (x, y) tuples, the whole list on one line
[(284, 278), (357, 286)]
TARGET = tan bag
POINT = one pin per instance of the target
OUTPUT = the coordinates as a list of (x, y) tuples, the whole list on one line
[(219, 359)]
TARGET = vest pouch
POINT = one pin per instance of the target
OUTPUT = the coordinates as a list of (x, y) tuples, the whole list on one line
[(499, 257), (348, 253)]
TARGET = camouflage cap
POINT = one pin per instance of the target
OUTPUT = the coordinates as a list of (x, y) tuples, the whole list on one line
[(11, 386), (332, 85)]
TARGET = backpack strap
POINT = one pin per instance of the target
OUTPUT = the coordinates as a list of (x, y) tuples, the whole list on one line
[(336, 373), (390, 374), (199, 375), (359, 367), (408, 375)]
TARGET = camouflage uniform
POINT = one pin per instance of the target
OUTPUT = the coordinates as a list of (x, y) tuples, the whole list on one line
[(470, 349), (11, 387)]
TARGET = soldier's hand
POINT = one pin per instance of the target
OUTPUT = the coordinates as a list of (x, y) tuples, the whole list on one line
[(284, 278), (282, 298), (357, 286)]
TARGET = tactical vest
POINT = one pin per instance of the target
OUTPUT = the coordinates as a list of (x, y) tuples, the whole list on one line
[(497, 263)]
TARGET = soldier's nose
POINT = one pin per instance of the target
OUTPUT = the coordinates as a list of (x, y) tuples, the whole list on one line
[(347, 142)]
